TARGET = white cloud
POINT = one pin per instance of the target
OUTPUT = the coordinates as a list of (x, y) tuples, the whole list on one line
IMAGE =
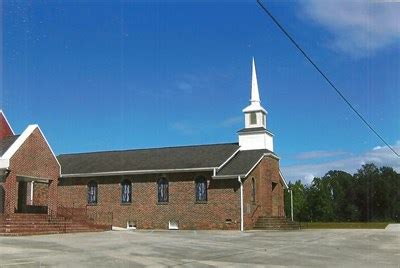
[(319, 154), (185, 86), (232, 121), (183, 128), (381, 156), (358, 27)]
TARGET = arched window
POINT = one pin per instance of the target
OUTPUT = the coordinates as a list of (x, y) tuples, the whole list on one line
[(162, 186), (126, 191), (201, 189), (92, 192), (253, 190)]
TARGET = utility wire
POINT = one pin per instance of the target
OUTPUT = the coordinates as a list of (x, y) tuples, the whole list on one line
[(263, 7)]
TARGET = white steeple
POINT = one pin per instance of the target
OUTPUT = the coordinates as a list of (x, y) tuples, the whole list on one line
[(255, 135), (255, 109), (255, 94)]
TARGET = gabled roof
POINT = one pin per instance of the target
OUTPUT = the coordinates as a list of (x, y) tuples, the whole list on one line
[(13, 143), (242, 163), (5, 127), (169, 159), (6, 143)]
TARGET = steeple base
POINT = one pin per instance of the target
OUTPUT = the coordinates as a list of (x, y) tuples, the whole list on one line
[(256, 139)]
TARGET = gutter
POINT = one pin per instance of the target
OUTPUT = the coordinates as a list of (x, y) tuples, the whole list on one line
[(130, 172)]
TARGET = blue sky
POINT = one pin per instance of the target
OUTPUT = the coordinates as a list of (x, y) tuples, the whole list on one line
[(105, 75)]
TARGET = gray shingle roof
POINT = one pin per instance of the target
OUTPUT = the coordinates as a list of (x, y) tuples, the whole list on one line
[(6, 143), (241, 163), (198, 156)]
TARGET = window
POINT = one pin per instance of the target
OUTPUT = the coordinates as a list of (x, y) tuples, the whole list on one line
[(126, 191), (162, 190), (92, 192), (253, 118), (263, 118), (253, 190), (201, 189)]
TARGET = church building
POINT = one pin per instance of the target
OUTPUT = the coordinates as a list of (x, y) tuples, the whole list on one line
[(212, 186)]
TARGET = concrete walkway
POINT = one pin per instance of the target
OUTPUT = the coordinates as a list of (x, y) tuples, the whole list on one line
[(393, 227), (307, 248)]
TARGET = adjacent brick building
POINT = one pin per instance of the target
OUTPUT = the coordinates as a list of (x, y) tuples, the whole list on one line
[(29, 171)]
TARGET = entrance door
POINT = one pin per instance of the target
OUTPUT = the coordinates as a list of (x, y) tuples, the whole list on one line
[(22, 194), (2, 199), (275, 200)]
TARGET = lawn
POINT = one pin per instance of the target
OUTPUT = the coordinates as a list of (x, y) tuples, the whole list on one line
[(344, 225)]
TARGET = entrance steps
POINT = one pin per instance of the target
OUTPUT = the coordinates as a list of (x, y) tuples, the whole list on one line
[(32, 224), (275, 223)]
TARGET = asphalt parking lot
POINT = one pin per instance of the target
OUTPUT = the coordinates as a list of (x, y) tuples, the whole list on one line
[(307, 248)]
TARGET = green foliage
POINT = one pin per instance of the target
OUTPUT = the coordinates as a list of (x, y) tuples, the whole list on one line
[(371, 194)]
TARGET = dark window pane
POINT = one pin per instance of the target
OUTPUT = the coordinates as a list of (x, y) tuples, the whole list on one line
[(126, 194), (92, 192), (253, 190), (163, 190), (201, 189)]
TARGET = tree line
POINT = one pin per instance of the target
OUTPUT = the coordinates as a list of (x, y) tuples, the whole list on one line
[(371, 194)]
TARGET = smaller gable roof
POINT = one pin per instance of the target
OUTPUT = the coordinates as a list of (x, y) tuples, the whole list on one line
[(6, 143), (16, 141), (5, 127), (242, 163)]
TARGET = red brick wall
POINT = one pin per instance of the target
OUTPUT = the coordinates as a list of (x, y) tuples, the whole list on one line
[(223, 201), (40, 194), (33, 159), (266, 172), (5, 129)]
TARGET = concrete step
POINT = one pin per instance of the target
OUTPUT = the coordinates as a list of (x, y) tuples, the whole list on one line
[(275, 223)]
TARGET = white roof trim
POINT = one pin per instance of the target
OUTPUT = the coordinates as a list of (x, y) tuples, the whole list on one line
[(228, 176), (22, 138), (18, 143), (259, 160), (4, 163), (283, 179), (5, 117), (229, 159), (131, 172), (248, 173)]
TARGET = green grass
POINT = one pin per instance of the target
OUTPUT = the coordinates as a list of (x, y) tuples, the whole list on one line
[(344, 225)]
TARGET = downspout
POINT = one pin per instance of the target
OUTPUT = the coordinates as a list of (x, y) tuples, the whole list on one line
[(241, 205), (31, 197), (291, 203)]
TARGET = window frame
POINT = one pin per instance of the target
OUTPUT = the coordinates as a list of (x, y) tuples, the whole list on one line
[(201, 180), (163, 187), (253, 118), (124, 183), (92, 192)]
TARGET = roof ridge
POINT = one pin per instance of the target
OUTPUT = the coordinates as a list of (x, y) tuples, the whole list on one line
[(152, 148)]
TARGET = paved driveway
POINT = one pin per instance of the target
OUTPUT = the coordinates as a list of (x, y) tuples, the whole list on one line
[(343, 248)]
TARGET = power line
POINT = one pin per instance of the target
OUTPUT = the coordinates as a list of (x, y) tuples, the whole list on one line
[(325, 77)]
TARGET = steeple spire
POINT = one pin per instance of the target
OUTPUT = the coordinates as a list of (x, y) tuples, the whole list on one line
[(255, 95)]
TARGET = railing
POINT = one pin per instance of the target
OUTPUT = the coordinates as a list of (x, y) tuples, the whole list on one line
[(254, 211), (85, 214)]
